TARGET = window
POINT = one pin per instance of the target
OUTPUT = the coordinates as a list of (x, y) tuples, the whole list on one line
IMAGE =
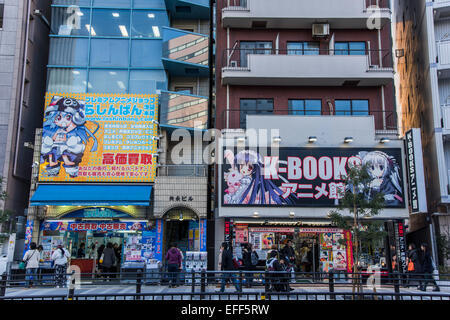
[(351, 107), (113, 23), (350, 48), (188, 90), (108, 81), (254, 106), (2, 7), (303, 48), (69, 51), (109, 53), (67, 80), (254, 47), (305, 107)]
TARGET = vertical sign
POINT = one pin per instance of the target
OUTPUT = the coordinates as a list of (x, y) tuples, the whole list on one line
[(400, 244), (159, 239), (28, 234), (227, 230), (348, 236), (11, 247), (416, 178), (202, 227)]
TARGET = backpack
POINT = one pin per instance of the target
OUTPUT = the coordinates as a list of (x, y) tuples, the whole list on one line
[(254, 258), (269, 264)]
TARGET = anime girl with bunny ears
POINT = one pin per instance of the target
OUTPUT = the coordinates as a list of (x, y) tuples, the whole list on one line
[(246, 182), (65, 136)]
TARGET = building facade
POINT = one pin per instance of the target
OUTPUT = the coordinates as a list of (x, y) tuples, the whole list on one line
[(421, 40), (319, 77), (126, 75), (23, 56)]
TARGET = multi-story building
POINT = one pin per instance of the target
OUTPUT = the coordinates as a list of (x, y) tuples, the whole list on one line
[(321, 73), (129, 73), (422, 42), (23, 56)]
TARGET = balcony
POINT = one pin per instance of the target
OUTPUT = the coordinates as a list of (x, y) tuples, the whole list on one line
[(445, 114), (441, 9), (443, 51), (185, 53), (183, 110), (323, 68), (385, 121), (295, 14), (188, 9)]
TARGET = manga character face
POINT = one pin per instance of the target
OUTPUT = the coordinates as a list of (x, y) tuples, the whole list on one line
[(246, 169), (64, 120)]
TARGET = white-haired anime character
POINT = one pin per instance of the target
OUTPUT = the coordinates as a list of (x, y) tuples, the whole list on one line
[(65, 136), (385, 172)]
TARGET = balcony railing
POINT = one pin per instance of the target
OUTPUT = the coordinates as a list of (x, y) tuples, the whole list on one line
[(385, 121), (445, 113), (443, 49), (238, 58), (183, 110), (182, 170), (240, 5)]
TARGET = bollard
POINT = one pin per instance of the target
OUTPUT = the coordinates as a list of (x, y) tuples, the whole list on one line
[(193, 281), (396, 284), (71, 292), (331, 285), (3, 285), (138, 283)]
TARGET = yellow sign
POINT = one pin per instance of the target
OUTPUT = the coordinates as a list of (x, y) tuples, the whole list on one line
[(99, 138)]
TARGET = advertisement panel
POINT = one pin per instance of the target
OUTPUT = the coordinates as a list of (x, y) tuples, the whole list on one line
[(97, 226), (99, 138), (307, 177)]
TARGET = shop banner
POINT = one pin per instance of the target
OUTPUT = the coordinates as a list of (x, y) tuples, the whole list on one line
[(97, 226), (159, 239), (99, 138), (400, 245), (202, 227), (28, 234), (416, 178), (348, 237), (307, 177)]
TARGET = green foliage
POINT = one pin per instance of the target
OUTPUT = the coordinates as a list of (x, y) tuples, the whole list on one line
[(5, 215), (443, 244)]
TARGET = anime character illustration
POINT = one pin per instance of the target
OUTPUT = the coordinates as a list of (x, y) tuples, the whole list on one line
[(65, 136), (340, 260), (247, 184), (326, 240), (385, 172), (268, 240)]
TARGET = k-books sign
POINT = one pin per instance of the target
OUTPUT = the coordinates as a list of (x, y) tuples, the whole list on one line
[(302, 177)]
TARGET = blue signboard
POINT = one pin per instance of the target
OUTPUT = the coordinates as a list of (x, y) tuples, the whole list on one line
[(97, 213), (159, 239), (202, 227)]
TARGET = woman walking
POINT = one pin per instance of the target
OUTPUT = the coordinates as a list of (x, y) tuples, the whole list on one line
[(60, 257), (109, 258), (427, 268), (31, 259)]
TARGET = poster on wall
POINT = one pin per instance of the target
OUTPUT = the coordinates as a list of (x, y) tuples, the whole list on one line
[(306, 177), (339, 260), (326, 241), (241, 233), (267, 240), (99, 138)]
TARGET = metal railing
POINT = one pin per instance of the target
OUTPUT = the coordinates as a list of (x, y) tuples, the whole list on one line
[(182, 170), (270, 285), (236, 5), (236, 118), (238, 58)]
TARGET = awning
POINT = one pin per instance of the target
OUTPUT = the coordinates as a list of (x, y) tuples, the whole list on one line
[(91, 195)]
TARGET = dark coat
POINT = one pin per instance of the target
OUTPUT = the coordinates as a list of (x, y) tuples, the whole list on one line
[(288, 252), (247, 258), (109, 257), (227, 261), (427, 263)]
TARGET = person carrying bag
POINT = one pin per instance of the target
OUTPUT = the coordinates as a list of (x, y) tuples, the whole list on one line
[(30, 262)]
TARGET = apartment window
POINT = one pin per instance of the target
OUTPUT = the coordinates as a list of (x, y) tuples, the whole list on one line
[(303, 48), (254, 47), (351, 107), (254, 106), (2, 7), (350, 48), (305, 107)]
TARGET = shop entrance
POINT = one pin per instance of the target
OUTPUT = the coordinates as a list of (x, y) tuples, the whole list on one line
[(181, 228)]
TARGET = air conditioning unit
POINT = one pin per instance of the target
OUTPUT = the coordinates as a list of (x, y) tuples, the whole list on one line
[(320, 29), (233, 64)]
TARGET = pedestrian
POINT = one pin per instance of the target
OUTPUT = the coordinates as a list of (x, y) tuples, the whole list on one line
[(31, 260), (228, 267), (99, 255), (60, 258), (428, 267), (274, 270), (109, 258), (173, 258), (81, 251), (414, 266), (288, 252), (250, 259), (117, 254)]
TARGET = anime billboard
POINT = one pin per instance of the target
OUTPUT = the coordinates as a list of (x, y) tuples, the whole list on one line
[(99, 138), (306, 177)]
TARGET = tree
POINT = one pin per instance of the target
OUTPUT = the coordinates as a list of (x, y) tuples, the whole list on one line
[(5, 215), (359, 200)]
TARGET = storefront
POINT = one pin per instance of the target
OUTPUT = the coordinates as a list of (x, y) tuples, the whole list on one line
[(271, 192)]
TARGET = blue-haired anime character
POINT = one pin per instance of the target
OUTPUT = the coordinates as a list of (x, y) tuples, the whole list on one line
[(65, 136), (246, 182)]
